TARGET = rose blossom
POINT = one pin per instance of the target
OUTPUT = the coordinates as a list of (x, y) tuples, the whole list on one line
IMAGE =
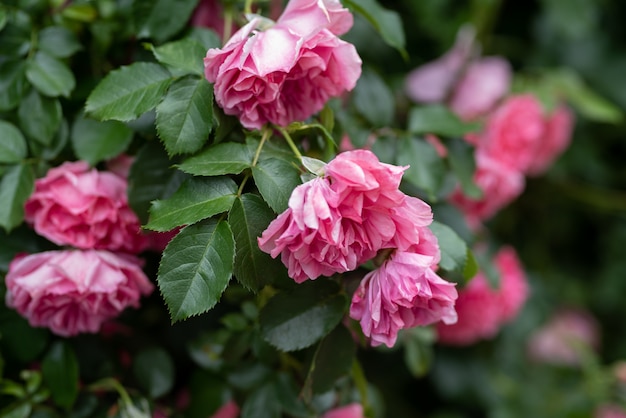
[(561, 339), (482, 85), (336, 222), (500, 185), (404, 292), (557, 137), (74, 291), (85, 208), (514, 131), (481, 309), (287, 72), (353, 410)]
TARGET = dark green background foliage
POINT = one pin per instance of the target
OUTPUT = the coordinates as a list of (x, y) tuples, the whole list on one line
[(92, 79)]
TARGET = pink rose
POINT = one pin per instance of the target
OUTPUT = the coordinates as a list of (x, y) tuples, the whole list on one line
[(353, 410), (557, 137), (514, 132), (72, 292), (84, 208), (481, 309), (500, 185), (228, 410), (336, 222), (562, 339), (484, 82), (433, 81), (404, 292), (287, 72)]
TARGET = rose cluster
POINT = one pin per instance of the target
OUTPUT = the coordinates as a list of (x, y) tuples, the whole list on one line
[(351, 214), (519, 137), (75, 290), (287, 72)]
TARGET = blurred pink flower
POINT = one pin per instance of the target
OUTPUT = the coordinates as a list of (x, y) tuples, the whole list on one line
[(85, 208), (287, 72), (404, 292), (433, 81), (562, 338), (557, 137), (610, 411), (470, 85), (514, 131), (210, 14), (228, 410), (72, 292), (353, 410), (336, 222), (483, 83), (500, 185), (481, 309)]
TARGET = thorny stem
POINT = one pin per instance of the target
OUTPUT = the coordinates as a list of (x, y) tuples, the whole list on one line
[(290, 142), (264, 137)]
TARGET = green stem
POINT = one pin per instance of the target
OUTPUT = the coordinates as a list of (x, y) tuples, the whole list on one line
[(228, 24), (247, 8), (290, 142), (264, 137)]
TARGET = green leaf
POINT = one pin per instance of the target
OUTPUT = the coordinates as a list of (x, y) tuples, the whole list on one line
[(388, 23), (47, 113), (453, 248), (262, 403), (463, 164), (49, 75), (12, 83), (333, 359), (154, 370), (181, 57), (13, 144), (568, 84), (184, 117), (160, 19), (418, 350), (196, 199), (439, 120), (275, 180), (220, 159), (373, 99), (297, 319), (15, 37), (3, 17), (128, 92), (15, 187), (248, 218), (151, 177), (196, 267), (471, 266), (95, 141), (58, 41), (205, 37), (426, 168), (57, 145), (60, 374)]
